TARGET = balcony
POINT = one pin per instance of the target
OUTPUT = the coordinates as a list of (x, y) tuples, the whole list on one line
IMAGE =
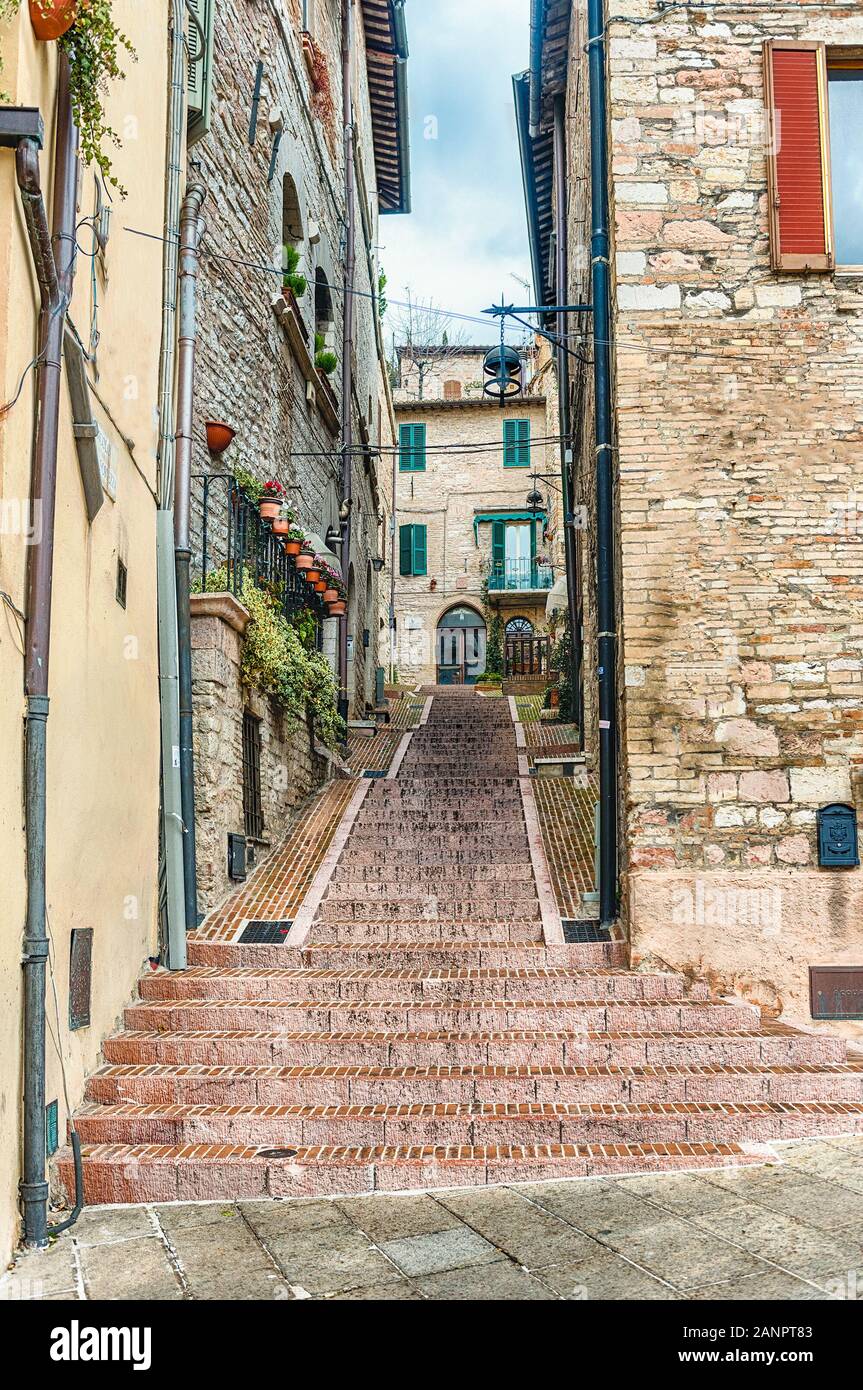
[(520, 576)]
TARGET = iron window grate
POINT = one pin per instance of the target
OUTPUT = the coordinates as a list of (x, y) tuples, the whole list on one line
[(265, 933), (253, 814), (577, 933)]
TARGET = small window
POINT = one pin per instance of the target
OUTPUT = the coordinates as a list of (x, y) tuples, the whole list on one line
[(452, 390), (412, 448), (845, 106), (323, 302), (253, 814), (122, 580), (413, 550), (516, 443)]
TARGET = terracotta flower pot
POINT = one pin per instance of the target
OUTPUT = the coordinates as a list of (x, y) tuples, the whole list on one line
[(337, 610), (269, 507), (293, 547), (281, 526), (321, 585), (304, 560), (51, 21), (219, 435), (331, 595), (312, 575)]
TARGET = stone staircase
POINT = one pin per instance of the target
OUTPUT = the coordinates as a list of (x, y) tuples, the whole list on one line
[(426, 1034)]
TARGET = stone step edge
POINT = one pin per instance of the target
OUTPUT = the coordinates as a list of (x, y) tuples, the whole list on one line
[(466, 1071), (382, 1036), (450, 1005), (472, 1109)]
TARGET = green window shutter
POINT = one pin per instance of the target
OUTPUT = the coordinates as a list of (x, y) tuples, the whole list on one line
[(199, 67), (406, 550), (516, 443), (412, 448), (533, 526), (498, 545), (420, 547)]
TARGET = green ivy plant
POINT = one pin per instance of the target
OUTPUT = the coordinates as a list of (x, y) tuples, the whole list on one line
[(94, 45), (250, 485), (277, 662)]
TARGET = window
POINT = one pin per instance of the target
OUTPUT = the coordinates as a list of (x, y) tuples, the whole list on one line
[(199, 68), (253, 814), (413, 550), (323, 303), (516, 443), (452, 390), (122, 583), (814, 97), (412, 448)]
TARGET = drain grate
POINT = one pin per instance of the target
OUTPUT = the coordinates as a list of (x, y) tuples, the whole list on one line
[(371, 773), (277, 1153), (578, 933), (265, 933)]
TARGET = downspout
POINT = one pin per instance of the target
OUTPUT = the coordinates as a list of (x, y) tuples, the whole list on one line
[(347, 337), (571, 540), (537, 27), (605, 532), (393, 572), (191, 227), (54, 263), (172, 800)]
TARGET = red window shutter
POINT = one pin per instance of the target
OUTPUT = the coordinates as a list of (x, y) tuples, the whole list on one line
[(801, 235)]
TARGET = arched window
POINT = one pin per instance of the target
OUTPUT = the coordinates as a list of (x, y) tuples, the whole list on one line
[(323, 302), (519, 627), (292, 217)]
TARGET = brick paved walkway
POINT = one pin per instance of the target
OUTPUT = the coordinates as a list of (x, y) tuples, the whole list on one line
[(792, 1231)]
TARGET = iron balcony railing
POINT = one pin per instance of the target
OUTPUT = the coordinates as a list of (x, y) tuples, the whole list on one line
[(228, 533), (518, 575)]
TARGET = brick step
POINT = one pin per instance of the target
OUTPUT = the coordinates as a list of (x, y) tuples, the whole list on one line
[(211, 982), (424, 929), (403, 787), (505, 1047), (189, 1172), (463, 888), (379, 820), (455, 911), (471, 1124), (199, 1084), (419, 955), (504, 875), (440, 846), (487, 1015)]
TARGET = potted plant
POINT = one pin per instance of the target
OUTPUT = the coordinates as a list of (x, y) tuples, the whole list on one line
[(283, 522), (294, 541), (306, 557), (271, 499), (337, 610), (325, 360), (320, 585), (219, 435), (313, 571), (51, 18), (292, 280)]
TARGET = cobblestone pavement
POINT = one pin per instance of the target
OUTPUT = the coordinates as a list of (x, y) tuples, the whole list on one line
[(785, 1231)]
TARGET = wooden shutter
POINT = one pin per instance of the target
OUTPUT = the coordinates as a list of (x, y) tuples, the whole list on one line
[(516, 443), (412, 448), (498, 550), (420, 550), (801, 223), (405, 549), (199, 68)]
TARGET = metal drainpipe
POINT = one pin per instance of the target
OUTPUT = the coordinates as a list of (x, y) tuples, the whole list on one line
[(55, 269), (605, 535), (347, 336), (393, 572), (171, 790), (191, 227), (571, 543)]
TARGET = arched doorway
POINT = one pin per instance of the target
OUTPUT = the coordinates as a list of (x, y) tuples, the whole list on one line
[(369, 645), (460, 647)]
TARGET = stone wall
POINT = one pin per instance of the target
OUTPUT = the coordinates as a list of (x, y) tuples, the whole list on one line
[(250, 369), (738, 415), (290, 767)]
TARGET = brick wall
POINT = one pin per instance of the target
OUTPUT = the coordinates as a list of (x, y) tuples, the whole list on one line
[(738, 415)]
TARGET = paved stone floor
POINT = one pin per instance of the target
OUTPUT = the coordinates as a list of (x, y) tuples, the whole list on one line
[(786, 1231)]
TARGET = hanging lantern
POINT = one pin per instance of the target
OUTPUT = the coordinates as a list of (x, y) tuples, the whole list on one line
[(502, 367)]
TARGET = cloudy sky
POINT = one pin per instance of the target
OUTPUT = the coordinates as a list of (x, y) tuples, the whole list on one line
[(467, 234)]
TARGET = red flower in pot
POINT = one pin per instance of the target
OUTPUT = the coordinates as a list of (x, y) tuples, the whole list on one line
[(272, 496)]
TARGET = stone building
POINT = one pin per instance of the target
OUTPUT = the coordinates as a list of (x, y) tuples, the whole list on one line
[(269, 148), (470, 544), (102, 785), (736, 271)]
